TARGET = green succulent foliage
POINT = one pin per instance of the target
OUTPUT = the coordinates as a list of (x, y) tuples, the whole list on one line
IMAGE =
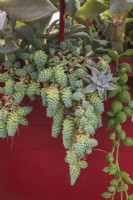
[(77, 96), (130, 104), (74, 173), (96, 102), (72, 80), (66, 95), (10, 121), (45, 75), (57, 121), (23, 111), (53, 97), (80, 73), (21, 72), (18, 97), (89, 128), (26, 56), (3, 119), (40, 58), (60, 75), (9, 86), (79, 112), (58, 79), (44, 97), (55, 130), (9, 60), (33, 89), (68, 128), (4, 77), (121, 109)]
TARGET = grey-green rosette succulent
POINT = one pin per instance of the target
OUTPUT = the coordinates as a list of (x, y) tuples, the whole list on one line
[(100, 81)]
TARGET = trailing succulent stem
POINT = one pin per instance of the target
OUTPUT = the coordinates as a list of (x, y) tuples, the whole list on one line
[(59, 79), (121, 109), (72, 87)]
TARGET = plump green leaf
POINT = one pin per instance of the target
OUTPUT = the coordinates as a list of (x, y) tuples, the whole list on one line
[(128, 180), (116, 144), (118, 128), (106, 195), (112, 168), (91, 9), (112, 136), (124, 174), (113, 55), (123, 187), (111, 188), (110, 123), (128, 52), (109, 157), (106, 169), (128, 141), (110, 114), (122, 135), (114, 182)]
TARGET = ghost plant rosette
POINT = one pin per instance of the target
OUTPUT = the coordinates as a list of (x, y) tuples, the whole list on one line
[(100, 81)]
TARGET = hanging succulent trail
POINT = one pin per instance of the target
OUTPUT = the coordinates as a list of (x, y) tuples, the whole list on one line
[(59, 79), (121, 109)]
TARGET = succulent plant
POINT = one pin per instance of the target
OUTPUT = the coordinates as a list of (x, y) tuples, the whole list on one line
[(100, 81)]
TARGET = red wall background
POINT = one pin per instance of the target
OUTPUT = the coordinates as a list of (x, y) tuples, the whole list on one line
[(32, 165)]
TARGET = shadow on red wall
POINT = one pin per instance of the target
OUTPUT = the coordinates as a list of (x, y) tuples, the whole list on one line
[(32, 166)]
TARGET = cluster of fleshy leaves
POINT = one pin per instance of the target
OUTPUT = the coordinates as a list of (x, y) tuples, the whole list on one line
[(58, 77), (121, 109)]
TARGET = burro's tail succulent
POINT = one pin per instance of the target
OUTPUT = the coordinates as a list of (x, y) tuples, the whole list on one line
[(60, 84)]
